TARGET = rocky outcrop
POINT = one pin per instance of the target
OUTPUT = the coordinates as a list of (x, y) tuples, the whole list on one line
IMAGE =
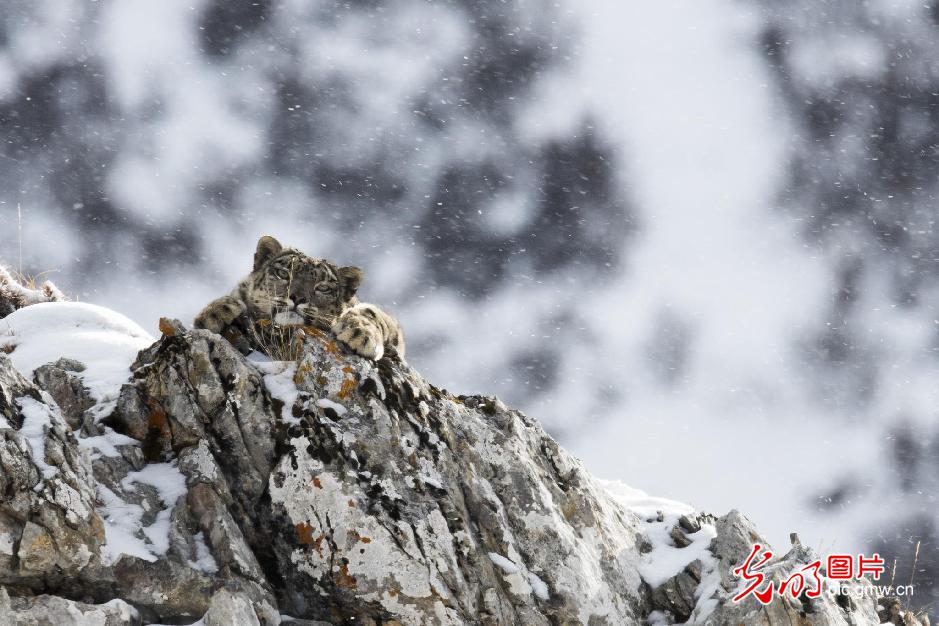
[(335, 490)]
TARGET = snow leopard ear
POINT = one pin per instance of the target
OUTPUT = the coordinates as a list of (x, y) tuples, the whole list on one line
[(267, 248), (349, 279)]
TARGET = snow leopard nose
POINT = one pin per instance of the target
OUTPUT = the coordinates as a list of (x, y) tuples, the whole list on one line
[(297, 303)]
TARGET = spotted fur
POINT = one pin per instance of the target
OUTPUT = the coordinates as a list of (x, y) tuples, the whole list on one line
[(289, 288)]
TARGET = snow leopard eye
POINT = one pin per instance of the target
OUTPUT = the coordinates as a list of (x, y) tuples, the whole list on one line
[(324, 288), (282, 273)]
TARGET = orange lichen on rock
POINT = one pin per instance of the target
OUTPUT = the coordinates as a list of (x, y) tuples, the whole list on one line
[(302, 370), (348, 386), (166, 327), (305, 534), (343, 579)]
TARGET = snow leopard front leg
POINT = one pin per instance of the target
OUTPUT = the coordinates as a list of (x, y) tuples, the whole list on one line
[(369, 331), (219, 314)]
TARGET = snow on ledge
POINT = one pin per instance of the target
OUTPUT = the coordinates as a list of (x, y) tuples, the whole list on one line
[(104, 341), (666, 559)]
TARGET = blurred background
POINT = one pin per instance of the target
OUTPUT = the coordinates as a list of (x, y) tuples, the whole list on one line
[(695, 238)]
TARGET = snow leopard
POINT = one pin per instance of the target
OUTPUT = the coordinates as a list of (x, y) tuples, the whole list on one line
[(287, 288)]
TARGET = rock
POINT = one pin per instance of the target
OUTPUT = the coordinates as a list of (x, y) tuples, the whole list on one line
[(677, 595), (66, 389), (680, 537), (891, 612), (735, 535), (229, 608), (46, 610), (48, 511), (689, 524), (424, 509), (336, 490)]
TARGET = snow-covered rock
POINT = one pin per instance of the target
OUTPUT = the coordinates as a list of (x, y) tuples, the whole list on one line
[(55, 611), (15, 295), (103, 341), (334, 490)]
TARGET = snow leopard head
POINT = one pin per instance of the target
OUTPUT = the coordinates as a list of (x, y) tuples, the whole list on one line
[(291, 288)]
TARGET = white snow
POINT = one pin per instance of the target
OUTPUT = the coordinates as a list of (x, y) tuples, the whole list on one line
[(30, 296), (121, 525), (106, 444), (122, 520), (430, 480), (279, 381), (36, 419), (326, 403), (127, 612), (171, 485), (503, 563), (665, 559), (538, 586), (103, 340), (204, 562)]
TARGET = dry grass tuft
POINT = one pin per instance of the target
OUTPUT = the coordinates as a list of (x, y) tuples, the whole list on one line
[(280, 343)]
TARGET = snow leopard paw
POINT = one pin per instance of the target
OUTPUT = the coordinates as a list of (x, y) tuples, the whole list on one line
[(361, 333), (219, 313)]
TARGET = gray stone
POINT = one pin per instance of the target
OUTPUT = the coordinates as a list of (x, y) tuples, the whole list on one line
[(46, 610), (48, 510), (372, 497), (228, 608), (60, 381)]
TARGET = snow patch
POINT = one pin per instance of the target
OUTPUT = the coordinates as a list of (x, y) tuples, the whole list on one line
[(170, 485), (106, 444), (536, 584), (204, 562), (665, 559), (36, 420), (326, 403), (122, 520), (279, 382), (104, 341), (539, 587), (121, 524), (503, 563)]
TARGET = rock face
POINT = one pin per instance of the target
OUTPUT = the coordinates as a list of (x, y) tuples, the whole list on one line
[(335, 490)]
